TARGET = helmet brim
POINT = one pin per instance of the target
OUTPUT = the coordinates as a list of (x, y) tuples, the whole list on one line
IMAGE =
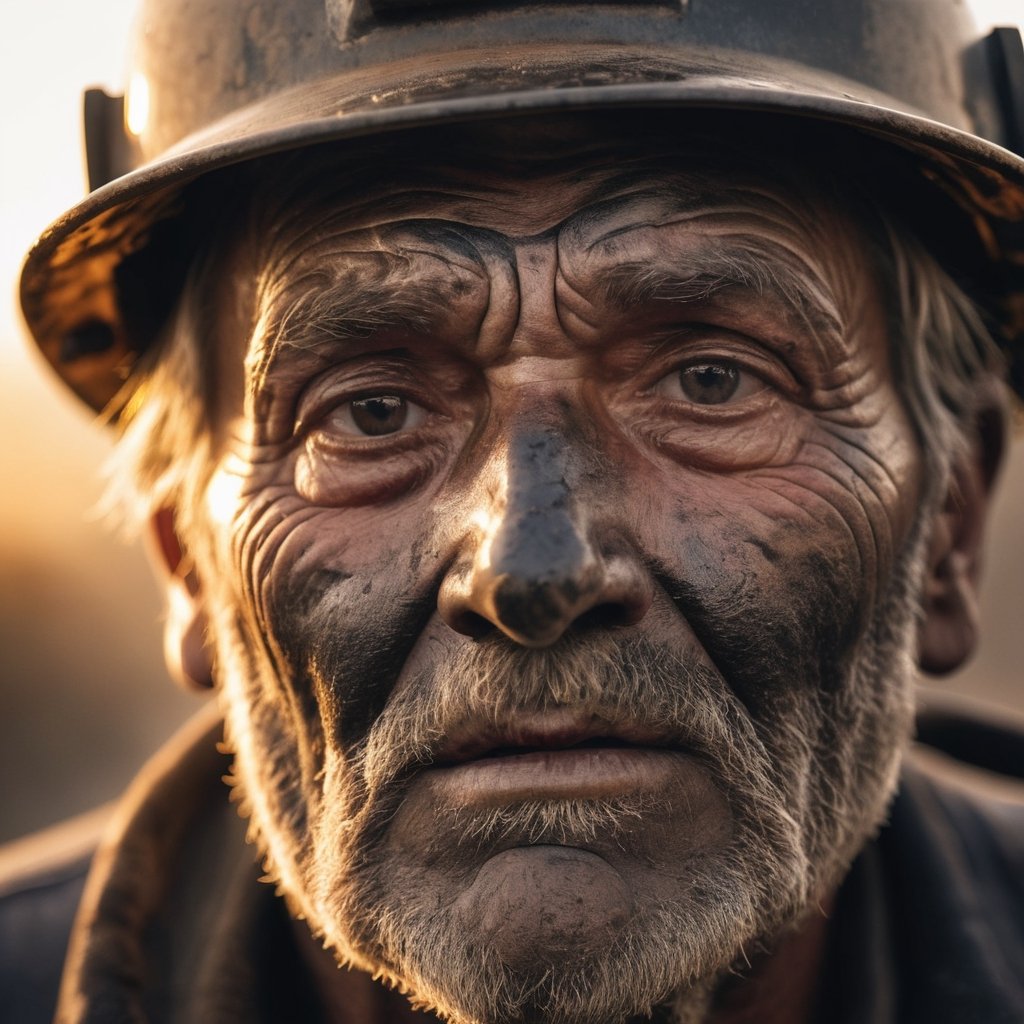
[(68, 280)]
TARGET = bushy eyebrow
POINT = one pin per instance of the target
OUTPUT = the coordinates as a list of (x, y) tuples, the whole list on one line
[(352, 307), (698, 276), (323, 317), (359, 290)]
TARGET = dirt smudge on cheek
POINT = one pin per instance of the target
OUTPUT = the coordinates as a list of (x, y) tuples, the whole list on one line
[(347, 636), (320, 581), (775, 614)]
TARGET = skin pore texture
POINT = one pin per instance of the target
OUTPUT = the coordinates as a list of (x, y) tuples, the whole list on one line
[(560, 556)]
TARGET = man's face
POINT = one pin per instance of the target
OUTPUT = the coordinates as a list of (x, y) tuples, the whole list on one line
[(560, 555)]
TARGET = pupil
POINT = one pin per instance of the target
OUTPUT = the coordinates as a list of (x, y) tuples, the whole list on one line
[(382, 414), (709, 383)]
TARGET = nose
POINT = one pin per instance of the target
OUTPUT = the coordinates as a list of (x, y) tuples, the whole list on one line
[(536, 566)]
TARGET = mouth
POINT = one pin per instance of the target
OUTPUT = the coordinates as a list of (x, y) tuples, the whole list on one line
[(551, 731), (566, 746), (550, 756)]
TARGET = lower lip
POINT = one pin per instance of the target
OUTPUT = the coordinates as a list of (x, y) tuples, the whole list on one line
[(577, 773)]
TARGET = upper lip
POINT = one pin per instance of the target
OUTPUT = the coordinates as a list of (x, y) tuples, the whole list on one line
[(557, 729)]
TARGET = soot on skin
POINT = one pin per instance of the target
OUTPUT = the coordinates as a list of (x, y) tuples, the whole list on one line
[(335, 616)]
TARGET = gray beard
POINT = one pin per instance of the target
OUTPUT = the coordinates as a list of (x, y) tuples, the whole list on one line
[(808, 783)]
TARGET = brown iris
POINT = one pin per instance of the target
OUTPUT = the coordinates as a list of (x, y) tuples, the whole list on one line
[(380, 414), (709, 383)]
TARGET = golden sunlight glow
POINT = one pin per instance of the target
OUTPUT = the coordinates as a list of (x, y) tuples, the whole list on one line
[(136, 107), (222, 496), (487, 523)]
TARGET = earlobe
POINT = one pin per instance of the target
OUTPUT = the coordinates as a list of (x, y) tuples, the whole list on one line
[(186, 648), (948, 633)]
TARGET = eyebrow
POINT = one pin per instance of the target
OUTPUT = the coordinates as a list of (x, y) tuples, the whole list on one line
[(352, 309), (323, 319), (363, 294), (690, 278)]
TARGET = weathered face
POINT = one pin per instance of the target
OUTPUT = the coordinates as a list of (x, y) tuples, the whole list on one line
[(558, 553)]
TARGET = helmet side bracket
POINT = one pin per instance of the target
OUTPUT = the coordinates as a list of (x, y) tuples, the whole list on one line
[(109, 150), (1006, 58)]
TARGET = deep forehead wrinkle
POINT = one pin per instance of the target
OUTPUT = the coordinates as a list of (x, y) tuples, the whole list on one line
[(349, 197), (667, 243)]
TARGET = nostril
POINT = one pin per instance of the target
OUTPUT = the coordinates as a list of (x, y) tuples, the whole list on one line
[(472, 625), (604, 616)]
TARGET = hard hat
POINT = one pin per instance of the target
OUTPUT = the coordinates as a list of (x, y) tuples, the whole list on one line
[(220, 82)]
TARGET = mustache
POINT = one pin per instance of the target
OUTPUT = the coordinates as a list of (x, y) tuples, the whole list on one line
[(628, 687)]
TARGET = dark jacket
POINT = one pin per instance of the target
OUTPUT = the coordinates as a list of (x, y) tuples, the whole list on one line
[(173, 924)]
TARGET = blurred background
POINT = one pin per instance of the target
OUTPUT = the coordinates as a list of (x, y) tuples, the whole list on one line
[(83, 693)]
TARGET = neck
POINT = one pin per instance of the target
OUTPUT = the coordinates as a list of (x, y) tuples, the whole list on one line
[(782, 985), (351, 996)]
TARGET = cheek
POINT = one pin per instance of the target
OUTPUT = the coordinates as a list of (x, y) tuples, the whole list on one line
[(778, 570), (336, 598), (315, 615), (283, 552), (777, 611)]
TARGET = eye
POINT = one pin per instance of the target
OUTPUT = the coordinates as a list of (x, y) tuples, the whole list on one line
[(375, 416), (709, 382)]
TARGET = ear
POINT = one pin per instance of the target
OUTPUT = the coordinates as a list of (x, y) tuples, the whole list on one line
[(948, 632), (186, 649)]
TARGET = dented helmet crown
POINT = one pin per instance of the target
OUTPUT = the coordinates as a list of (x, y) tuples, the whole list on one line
[(217, 83)]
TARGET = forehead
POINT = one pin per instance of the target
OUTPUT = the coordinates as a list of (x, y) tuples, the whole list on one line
[(406, 224), (526, 178), (603, 193)]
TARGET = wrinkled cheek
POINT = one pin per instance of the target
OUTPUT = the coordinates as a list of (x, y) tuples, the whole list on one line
[(777, 611), (273, 721), (306, 625), (338, 604), (784, 568)]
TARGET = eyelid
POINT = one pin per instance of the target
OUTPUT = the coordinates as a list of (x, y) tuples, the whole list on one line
[(696, 343), (347, 383), (754, 382)]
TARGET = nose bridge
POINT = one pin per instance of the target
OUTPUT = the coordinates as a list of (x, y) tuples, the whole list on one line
[(537, 564), (540, 532)]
